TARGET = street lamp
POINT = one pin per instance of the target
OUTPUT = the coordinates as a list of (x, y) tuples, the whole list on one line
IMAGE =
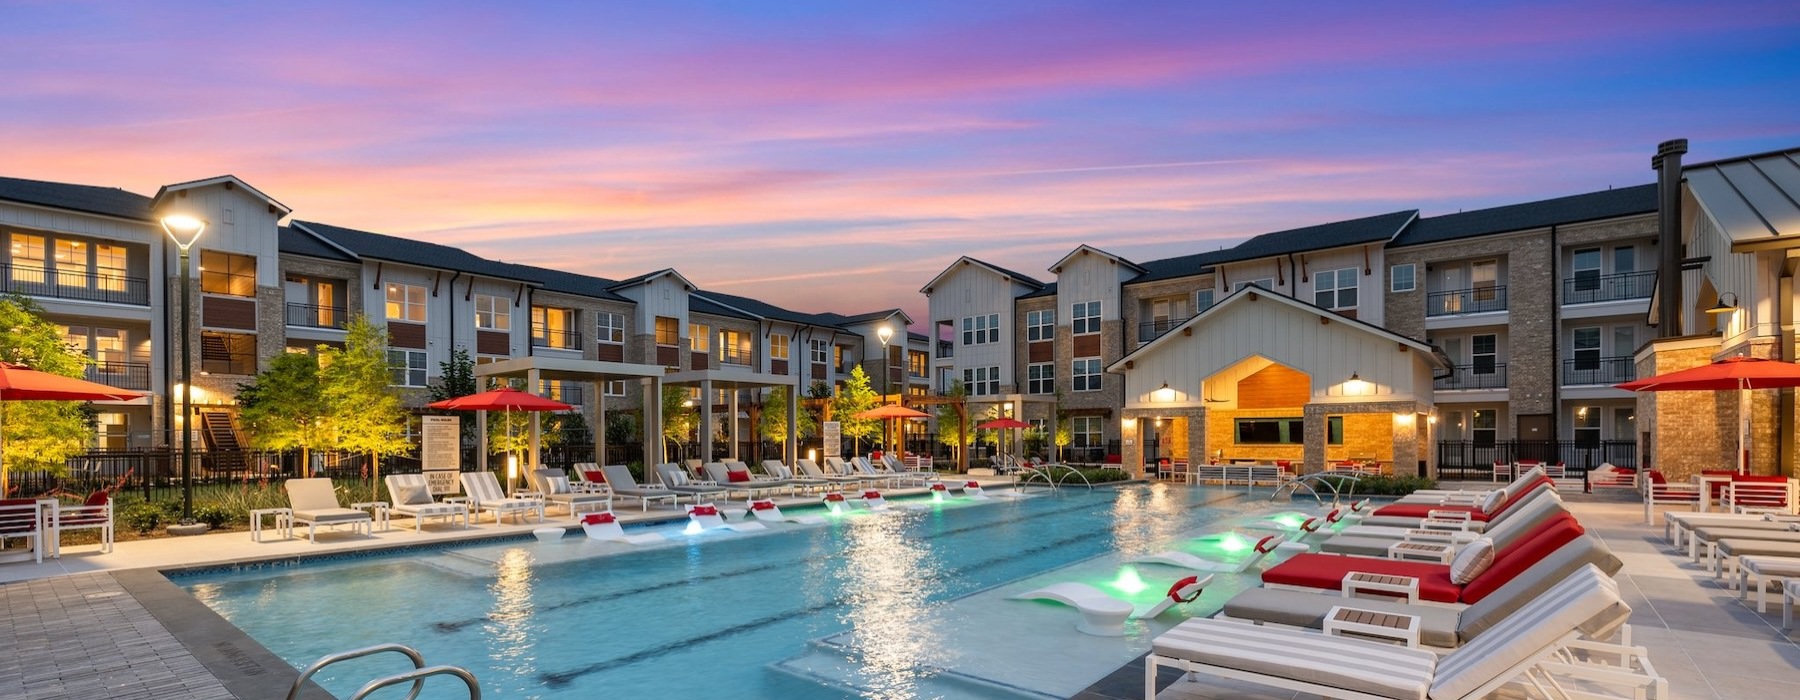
[(885, 332), (184, 230)]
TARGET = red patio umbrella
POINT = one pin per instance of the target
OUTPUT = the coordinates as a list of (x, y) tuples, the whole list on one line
[(887, 411), (506, 399), (1003, 424), (21, 383), (1738, 372)]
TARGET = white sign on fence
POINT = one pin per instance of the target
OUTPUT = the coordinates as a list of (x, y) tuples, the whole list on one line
[(440, 453), (833, 434)]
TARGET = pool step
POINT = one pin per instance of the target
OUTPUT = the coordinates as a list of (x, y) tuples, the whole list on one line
[(827, 663), (458, 564)]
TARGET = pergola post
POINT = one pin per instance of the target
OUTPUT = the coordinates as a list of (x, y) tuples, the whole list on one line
[(706, 420), (791, 453), (600, 422), (537, 435), (481, 440), (655, 449), (731, 411)]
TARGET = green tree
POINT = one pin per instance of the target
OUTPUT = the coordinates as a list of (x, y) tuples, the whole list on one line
[(39, 435), (679, 417), (774, 427), (364, 414), (456, 377), (856, 397), (283, 408), (954, 426)]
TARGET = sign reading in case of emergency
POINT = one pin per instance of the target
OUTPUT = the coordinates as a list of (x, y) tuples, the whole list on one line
[(833, 434), (440, 453)]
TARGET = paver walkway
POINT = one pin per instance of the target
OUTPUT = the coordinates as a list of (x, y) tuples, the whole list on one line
[(84, 636)]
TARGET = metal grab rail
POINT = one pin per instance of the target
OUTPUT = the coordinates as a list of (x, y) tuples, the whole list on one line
[(1047, 471), (418, 677), (329, 659), (1331, 480)]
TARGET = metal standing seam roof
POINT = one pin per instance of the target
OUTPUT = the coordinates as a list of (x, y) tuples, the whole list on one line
[(1755, 199), (107, 201), (1592, 206)]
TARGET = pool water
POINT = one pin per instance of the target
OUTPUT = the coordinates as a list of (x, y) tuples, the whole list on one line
[(895, 598)]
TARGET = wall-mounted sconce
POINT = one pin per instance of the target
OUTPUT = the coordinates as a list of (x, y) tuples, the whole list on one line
[(1724, 307), (1163, 395), (1355, 386)]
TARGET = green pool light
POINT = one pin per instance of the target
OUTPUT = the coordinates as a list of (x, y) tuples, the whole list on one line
[(1233, 542), (1291, 520), (1128, 582)]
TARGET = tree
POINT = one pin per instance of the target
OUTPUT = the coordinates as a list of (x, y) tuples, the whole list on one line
[(679, 417), (856, 397), (364, 414), (456, 377), (283, 408), (774, 424), (39, 435), (954, 426)]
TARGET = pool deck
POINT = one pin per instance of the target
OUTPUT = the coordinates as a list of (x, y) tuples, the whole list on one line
[(92, 625)]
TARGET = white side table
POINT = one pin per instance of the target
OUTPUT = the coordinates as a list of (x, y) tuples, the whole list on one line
[(1434, 552), (1343, 620), (378, 513), (284, 522), (1384, 585)]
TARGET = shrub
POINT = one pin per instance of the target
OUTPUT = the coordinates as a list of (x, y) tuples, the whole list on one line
[(216, 516), (1392, 485), (141, 517), (1100, 476)]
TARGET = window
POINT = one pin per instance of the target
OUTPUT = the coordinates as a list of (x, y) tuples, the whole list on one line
[(667, 332), (1586, 348), (837, 358), (1203, 300), (982, 381), (72, 263), (558, 390), (1271, 431), (1334, 430), (109, 268), (819, 351), (111, 431), (1624, 260), (554, 328), (1335, 289), (700, 336), (227, 353), (1087, 431), (1040, 325), (1587, 427), (981, 329), (1483, 353), (28, 263), (1085, 373), (1265, 283), (1587, 269), (488, 359), (734, 347), (918, 363), (493, 313), (406, 367), (405, 302), (614, 387), (1084, 318), (610, 327), (1624, 341), (231, 275), (1403, 278), (778, 347), (1485, 428), (1624, 423), (1040, 378), (1484, 276)]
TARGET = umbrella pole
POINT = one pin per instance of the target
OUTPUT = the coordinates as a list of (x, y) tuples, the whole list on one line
[(1743, 451), (5, 487)]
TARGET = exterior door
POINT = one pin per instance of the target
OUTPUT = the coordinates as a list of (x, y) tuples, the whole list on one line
[(1535, 438)]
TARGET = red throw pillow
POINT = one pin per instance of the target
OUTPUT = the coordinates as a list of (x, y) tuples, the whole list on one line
[(97, 498), (834, 497), (937, 487), (972, 485), (595, 477), (598, 518), (871, 494), (762, 505), (737, 477), (704, 510)]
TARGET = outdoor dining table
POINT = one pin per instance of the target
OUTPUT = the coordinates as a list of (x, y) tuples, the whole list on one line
[(1705, 482)]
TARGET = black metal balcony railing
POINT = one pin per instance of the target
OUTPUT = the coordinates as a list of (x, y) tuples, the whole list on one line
[(946, 348), (1590, 288), (76, 284), (1475, 376), (1578, 371), (315, 316), (1475, 300), (555, 338), (124, 375), (1151, 330), (734, 357), (567, 393)]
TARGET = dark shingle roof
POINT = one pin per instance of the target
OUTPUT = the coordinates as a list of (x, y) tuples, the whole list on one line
[(568, 282), (701, 305), (1369, 229), (1028, 279), (1604, 204), (1183, 266), (1048, 290), (110, 201), (414, 252), (295, 242)]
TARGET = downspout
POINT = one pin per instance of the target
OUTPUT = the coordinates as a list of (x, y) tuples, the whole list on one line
[(452, 297), (1555, 338), (530, 347)]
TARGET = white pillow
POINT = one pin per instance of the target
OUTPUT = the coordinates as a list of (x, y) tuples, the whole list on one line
[(558, 484), (676, 477), (413, 495), (1474, 558), (1494, 499)]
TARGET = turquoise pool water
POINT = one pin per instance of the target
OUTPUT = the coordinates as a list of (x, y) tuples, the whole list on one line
[(717, 614)]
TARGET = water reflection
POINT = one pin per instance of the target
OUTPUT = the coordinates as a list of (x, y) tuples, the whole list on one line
[(888, 580), (1146, 519), (509, 622)]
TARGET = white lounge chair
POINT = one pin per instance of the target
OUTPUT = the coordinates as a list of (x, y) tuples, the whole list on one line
[(811, 470), (843, 468), (873, 500), (555, 488), (673, 478), (781, 472), (1176, 558), (315, 504), (605, 527), (22, 518), (705, 516), (767, 511), (1103, 615), (482, 492), (750, 486), (836, 503), (622, 483), (410, 495)]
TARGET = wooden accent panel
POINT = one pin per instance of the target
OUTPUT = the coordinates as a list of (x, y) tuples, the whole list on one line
[(1347, 313), (1087, 345), (1274, 387), (612, 352), (699, 360), (1040, 351), (668, 355), (406, 335), (219, 312), (818, 371), (778, 366), (493, 343)]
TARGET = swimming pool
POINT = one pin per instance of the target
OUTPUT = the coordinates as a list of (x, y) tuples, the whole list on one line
[(899, 604)]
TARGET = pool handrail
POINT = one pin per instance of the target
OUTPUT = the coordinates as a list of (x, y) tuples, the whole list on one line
[(329, 659), (418, 676)]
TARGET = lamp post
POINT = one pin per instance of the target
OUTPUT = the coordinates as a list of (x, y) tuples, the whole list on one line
[(184, 231), (886, 332)]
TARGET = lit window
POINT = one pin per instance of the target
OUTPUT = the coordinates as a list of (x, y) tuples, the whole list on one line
[(701, 337), (493, 313), (233, 275), (778, 347), (405, 302), (734, 347), (667, 331)]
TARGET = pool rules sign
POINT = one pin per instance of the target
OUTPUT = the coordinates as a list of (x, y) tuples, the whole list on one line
[(440, 453), (833, 435)]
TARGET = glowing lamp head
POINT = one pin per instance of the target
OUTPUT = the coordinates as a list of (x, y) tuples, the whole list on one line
[(885, 333), (184, 230)]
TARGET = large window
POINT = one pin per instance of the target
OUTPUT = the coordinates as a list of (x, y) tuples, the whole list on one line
[(818, 351), (734, 347), (778, 347), (1084, 373), (700, 336), (1587, 269), (554, 328), (1271, 431), (978, 330), (29, 263), (1040, 378), (406, 367), (668, 331), (1587, 427), (1335, 289), (982, 381), (1403, 278), (1586, 349), (225, 273), (1334, 430), (1040, 325), (918, 363), (1084, 318), (611, 327), (109, 267), (227, 353), (1484, 429), (1203, 300), (1484, 278), (1484, 353), (405, 302), (493, 313), (1087, 431)]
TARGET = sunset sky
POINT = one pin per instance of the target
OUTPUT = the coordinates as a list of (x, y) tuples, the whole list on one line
[(827, 158)]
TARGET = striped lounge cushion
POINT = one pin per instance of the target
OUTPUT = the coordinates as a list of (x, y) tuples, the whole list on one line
[(1474, 558), (1382, 670), (1587, 602)]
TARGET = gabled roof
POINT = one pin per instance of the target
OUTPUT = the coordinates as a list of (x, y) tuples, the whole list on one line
[(107, 201), (568, 282), (298, 241), (702, 305), (1605, 204), (376, 246), (764, 310), (1085, 249), (1380, 228), (996, 269), (1247, 294), (647, 277), (1183, 266), (1048, 290), (870, 317), (226, 180), (1755, 199)]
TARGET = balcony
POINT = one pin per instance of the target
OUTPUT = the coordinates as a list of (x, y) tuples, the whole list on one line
[(544, 337), (946, 349), (1604, 371), (1476, 300), (737, 356), (1589, 289), (77, 284), (566, 393), (1487, 375), (1151, 330), (124, 375), (315, 316)]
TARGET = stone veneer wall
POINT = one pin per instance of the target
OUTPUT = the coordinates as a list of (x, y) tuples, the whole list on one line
[(1698, 430), (1111, 395)]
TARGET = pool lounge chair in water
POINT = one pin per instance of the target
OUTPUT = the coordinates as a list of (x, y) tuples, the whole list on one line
[(605, 527), (767, 511), (836, 503), (972, 490), (706, 516), (873, 500), (1103, 615), (1262, 549)]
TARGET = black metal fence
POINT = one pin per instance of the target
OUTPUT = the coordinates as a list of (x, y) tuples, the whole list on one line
[(73, 283), (1471, 459)]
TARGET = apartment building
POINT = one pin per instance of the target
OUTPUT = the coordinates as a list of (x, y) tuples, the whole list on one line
[(99, 263)]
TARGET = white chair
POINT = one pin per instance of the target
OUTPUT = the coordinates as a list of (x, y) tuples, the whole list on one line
[(555, 488), (96, 513), (22, 518), (605, 527), (410, 495), (622, 483), (767, 511), (483, 494), (315, 504), (1103, 615), (1658, 490), (705, 516), (1262, 549)]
